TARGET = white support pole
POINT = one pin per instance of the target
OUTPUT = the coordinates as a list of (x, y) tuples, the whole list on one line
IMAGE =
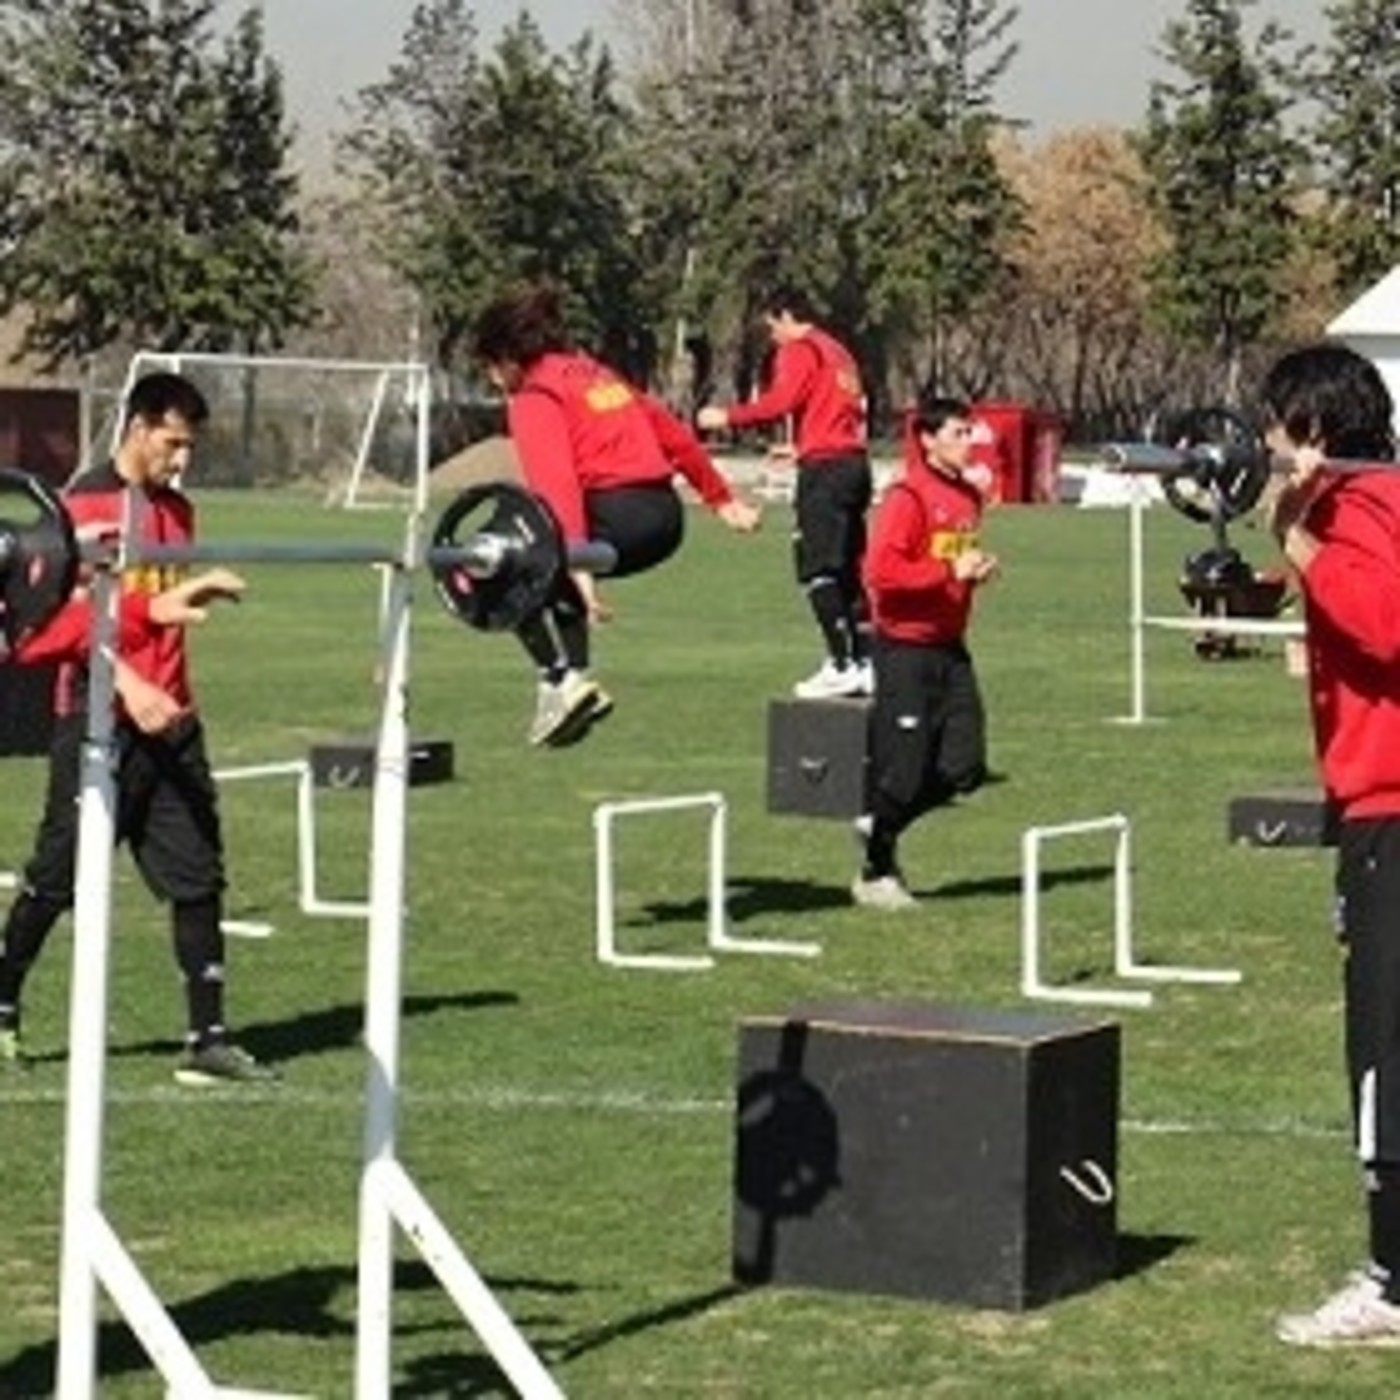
[(717, 935)]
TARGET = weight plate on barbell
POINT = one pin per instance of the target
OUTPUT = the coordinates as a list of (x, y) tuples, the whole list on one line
[(526, 556), (38, 555), (1226, 467)]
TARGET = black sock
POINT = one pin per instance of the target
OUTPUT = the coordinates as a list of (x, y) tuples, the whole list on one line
[(880, 848), (1383, 1208), (32, 917), (199, 950)]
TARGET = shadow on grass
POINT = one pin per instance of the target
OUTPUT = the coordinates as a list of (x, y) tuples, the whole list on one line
[(1139, 1253), (317, 1303), (754, 896), (316, 1032)]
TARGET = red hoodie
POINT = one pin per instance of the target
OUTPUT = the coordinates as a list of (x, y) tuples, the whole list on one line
[(923, 522), (816, 380), (1351, 590), (578, 426)]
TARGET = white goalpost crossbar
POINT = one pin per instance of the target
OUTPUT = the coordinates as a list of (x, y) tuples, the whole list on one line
[(717, 935), (309, 898), (92, 1255), (1125, 963)]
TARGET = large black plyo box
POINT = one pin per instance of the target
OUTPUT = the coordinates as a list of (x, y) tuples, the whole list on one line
[(817, 757), (1301, 817), (349, 763), (927, 1151)]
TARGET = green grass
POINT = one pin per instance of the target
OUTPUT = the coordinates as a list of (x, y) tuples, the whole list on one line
[(573, 1124)]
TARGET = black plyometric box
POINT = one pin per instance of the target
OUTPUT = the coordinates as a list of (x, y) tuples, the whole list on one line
[(349, 763), (1303, 817), (817, 757), (26, 709), (927, 1151)]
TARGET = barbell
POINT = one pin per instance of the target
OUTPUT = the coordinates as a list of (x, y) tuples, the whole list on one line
[(496, 555), (1213, 462)]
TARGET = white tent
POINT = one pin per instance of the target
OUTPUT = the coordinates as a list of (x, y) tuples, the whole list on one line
[(1371, 325)]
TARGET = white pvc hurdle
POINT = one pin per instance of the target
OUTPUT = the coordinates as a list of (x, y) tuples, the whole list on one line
[(717, 935), (309, 899), (1125, 963)]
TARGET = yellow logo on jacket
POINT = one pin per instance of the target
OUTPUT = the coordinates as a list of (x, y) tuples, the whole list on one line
[(152, 578), (949, 544), (607, 396)]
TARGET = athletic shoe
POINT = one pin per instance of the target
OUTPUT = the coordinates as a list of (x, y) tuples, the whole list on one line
[(563, 708), (866, 669), (582, 726), (1357, 1315), (883, 892), (831, 681), (221, 1063), (12, 1055)]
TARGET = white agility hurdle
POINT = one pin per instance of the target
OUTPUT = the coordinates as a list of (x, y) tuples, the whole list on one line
[(92, 1255), (717, 935), (1125, 964), (309, 899)]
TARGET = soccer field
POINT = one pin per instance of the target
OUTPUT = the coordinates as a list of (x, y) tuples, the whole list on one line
[(573, 1124)]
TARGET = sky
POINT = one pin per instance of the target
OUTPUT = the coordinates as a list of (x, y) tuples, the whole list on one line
[(1081, 62)]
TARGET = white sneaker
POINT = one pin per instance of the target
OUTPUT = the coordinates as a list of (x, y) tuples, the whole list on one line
[(1356, 1315), (886, 892), (866, 669), (564, 712), (830, 682)]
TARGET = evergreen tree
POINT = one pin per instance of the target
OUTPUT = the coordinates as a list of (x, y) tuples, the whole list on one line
[(1222, 178), (1356, 139), (479, 171), (144, 198)]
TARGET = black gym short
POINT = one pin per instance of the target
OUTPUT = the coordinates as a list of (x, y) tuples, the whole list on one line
[(644, 524), (831, 499), (167, 812)]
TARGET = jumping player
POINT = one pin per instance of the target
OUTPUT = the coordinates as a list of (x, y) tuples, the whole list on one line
[(602, 456)]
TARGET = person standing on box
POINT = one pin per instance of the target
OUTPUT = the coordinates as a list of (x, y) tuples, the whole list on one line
[(816, 382), (923, 566)]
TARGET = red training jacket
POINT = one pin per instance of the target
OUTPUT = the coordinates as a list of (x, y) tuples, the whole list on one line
[(923, 522), (1351, 591), (578, 426), (816, 380)]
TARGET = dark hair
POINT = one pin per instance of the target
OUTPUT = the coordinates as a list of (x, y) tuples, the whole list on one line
[(1333, 396), (154, 395), (784, 296), (521, 325), (933, 410)]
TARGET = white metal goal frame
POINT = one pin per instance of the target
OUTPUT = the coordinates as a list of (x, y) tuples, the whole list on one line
[(93, 1257), (718, 939), (1125, 961)]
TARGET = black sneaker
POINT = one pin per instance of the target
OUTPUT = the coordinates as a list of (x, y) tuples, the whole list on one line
[(222, 1063)]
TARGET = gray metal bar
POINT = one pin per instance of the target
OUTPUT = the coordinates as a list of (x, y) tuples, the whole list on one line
[(1155, 459)]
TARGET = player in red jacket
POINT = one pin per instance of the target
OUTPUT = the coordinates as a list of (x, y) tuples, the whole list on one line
[(167, 803), (923, 567), (602, 455), (816, 384), (1341, 535)]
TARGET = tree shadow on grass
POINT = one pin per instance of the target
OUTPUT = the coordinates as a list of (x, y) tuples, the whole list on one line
[(315, 1032)]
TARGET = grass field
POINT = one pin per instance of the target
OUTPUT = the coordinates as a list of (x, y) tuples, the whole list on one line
[(573, 1124)]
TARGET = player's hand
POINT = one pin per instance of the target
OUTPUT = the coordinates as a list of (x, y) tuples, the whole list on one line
[(712, 418), (151, 709), (975, 566), (741, 516), (188, 601), (598, 610)]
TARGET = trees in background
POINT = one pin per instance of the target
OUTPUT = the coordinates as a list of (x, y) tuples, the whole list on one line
[(1223, 179), (144, 192)]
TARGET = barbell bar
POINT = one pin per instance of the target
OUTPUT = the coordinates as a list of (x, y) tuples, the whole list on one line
[(496, 555)]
